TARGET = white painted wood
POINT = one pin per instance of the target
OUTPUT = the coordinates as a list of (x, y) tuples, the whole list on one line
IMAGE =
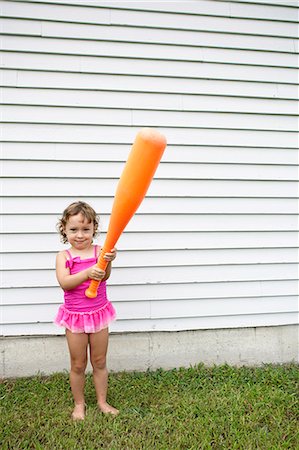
[(164, 223), (47, 328), (175, 153), (150, 51), (23, 9), (113, 33), (168, 274), (92, 116), (166, 309), (189, 18), (146, 101), (152, 292), (139, 66), (129, 82), (161, 205), (206, 322), (33, 169), (179, 292), (45, 242), (215, 243), (135, 18), (97, 133), (290, 3), (206, 188), (258, 9), (148, 258)]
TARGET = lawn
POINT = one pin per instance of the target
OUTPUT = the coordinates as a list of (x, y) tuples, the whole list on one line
[(219, 407)]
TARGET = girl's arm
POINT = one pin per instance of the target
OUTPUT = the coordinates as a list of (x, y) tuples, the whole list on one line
[(107, 272), (109, 257), (68, 281)]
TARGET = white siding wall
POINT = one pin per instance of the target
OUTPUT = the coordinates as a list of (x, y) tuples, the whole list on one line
[(214, 243)]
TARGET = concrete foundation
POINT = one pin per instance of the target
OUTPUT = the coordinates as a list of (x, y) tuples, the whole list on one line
[(27, 356)]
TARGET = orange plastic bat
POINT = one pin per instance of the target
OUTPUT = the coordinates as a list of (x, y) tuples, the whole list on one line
[(133, 184)]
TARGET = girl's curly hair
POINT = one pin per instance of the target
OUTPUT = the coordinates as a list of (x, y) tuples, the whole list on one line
[(72, 210)]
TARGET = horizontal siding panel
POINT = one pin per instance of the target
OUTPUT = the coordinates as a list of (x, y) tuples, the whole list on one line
[(231, 10), (153, 84), (211, 323), (175, 153), (148, 51), (205, 188), (161, 205), (97, 133), (141, 118), (262, 12), (154, 19), (56, 12), (202, 7), (220, 289), (153, 292), (162, 274), (125, 34), (37, 242), (243, 105), (259, 27), (165, 310), (206, 322), (148, 67), (145, 101), (160, 222), (220, 307), (256, 9), (23, 27), (213, 120), (173, 171), (289, 3), (148, 258)]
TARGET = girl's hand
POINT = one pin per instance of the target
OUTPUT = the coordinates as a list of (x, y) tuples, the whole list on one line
[(95, 273), (110, 256)]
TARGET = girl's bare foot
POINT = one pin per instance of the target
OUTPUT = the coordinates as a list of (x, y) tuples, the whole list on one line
[(79, 412), (108, 409)]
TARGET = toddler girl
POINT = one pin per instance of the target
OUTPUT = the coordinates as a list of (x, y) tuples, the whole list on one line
[(86, 320)]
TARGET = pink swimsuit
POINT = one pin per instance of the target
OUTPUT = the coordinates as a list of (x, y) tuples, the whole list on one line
[(79, 313)]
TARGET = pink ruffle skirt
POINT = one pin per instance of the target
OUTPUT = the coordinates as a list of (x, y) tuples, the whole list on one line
[(85, 322)]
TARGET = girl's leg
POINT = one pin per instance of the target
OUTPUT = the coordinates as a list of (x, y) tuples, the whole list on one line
[(78, 344), (98, 350)]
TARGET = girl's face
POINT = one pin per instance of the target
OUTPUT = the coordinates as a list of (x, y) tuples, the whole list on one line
[(79, 232)]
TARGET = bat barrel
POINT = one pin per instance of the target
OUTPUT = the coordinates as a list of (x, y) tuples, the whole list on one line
[(135, 179), (133, 184)]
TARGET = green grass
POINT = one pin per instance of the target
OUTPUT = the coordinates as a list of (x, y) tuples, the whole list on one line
[(196, 408)]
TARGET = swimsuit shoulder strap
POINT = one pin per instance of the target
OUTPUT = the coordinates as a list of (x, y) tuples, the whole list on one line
[(69, 255), (96, 251)]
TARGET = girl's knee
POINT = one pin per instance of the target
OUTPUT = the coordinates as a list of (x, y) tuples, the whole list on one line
[(78, 366), (98, 362)]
